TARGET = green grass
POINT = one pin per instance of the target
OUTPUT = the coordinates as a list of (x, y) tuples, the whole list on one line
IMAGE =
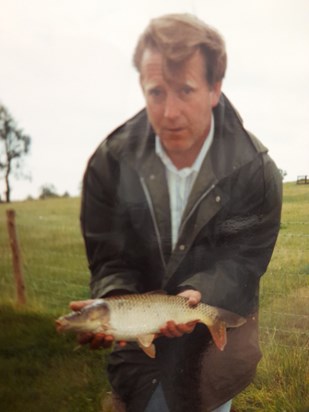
[(55, 267), (282, 381), (41, 371)]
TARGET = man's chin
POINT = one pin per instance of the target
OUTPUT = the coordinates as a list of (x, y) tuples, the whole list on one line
[(174, 139), (175, 147)]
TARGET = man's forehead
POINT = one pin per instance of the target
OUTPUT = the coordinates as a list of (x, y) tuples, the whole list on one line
[(155, 68), (149, 84)]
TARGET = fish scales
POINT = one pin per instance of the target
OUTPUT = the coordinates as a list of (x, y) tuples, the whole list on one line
[(142, 314), (140, 317)]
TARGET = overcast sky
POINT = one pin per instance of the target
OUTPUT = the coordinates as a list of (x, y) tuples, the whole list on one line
[(66, 76)]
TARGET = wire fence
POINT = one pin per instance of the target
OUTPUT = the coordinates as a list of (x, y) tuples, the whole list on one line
[(53, 258), (56, 272)]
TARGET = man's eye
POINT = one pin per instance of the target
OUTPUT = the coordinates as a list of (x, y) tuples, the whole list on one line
[(186, 90), (155, 92)]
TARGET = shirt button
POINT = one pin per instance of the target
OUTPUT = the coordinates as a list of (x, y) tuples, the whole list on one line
[(152, 177), (182, 247), (218, 199)]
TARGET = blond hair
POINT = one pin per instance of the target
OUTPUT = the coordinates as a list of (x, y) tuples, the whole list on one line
[(177, 37)]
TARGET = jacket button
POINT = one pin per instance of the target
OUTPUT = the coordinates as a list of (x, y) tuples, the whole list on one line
[(152, 177), (182, 247), (218, 199)]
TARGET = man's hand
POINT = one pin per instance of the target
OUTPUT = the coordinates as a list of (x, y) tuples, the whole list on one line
[(95, 340), (173, 330), (194, 296)]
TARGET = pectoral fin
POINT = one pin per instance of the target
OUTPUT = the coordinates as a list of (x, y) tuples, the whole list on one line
[(218, 333), (145, 343)]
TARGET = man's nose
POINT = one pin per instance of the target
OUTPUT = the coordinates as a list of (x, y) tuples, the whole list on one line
[(172, 106)]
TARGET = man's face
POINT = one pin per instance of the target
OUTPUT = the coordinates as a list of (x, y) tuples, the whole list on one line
[(179, 104)]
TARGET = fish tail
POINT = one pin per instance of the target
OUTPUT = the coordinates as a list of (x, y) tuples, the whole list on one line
[(218, 334), (223, 319), (231, 319)]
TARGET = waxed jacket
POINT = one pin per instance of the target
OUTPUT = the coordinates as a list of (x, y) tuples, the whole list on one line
[(226, 239)]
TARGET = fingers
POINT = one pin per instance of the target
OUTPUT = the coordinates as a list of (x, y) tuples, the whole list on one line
[(193, 296), (189, 327), (84, 338), (77, 305), (98, 340), (173, 330), (95, 340), (101, 341)]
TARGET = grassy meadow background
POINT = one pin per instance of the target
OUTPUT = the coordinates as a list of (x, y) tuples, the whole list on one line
[(42, 371)]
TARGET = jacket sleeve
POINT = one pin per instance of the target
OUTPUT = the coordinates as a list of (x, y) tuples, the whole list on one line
[(103, 226), (245, 236)]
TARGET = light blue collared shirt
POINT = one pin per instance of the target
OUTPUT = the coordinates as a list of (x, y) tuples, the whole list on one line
[(180, 181)]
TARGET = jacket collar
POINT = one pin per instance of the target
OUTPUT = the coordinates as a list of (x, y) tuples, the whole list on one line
[(231, 149)]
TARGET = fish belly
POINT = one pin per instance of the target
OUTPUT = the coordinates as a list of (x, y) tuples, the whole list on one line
[(129, 321)]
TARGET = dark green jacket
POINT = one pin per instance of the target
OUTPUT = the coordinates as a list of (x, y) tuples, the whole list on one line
[(228, 232)]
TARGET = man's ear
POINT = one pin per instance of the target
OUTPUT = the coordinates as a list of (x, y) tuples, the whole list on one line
[(215, 93)]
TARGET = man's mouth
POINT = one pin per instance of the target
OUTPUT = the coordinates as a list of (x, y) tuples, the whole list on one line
[(174, 129)]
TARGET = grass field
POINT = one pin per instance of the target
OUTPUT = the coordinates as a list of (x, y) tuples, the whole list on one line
[(41, 371)]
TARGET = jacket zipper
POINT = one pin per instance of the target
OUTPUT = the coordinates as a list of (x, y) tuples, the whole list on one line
[(155, 224), (196, 204)]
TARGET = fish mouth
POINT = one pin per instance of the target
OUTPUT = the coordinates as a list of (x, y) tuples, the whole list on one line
[(61, 325)]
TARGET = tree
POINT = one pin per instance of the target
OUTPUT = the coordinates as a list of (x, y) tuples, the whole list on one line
[(14, 145), (283, 173), (48, 190)]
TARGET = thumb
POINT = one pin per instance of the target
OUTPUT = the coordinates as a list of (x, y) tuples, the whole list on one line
[(193, 296), (77, 305)]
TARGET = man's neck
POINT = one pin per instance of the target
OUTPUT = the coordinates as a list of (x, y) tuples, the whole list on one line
[(192, 157), (185, 159)]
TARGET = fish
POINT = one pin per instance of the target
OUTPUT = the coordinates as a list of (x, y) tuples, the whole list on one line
[(139, 318)]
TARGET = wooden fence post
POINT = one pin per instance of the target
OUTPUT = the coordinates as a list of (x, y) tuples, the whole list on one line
[(16, 258)]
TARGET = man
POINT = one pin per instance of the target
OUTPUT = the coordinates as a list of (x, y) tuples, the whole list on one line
[(182, 198)]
